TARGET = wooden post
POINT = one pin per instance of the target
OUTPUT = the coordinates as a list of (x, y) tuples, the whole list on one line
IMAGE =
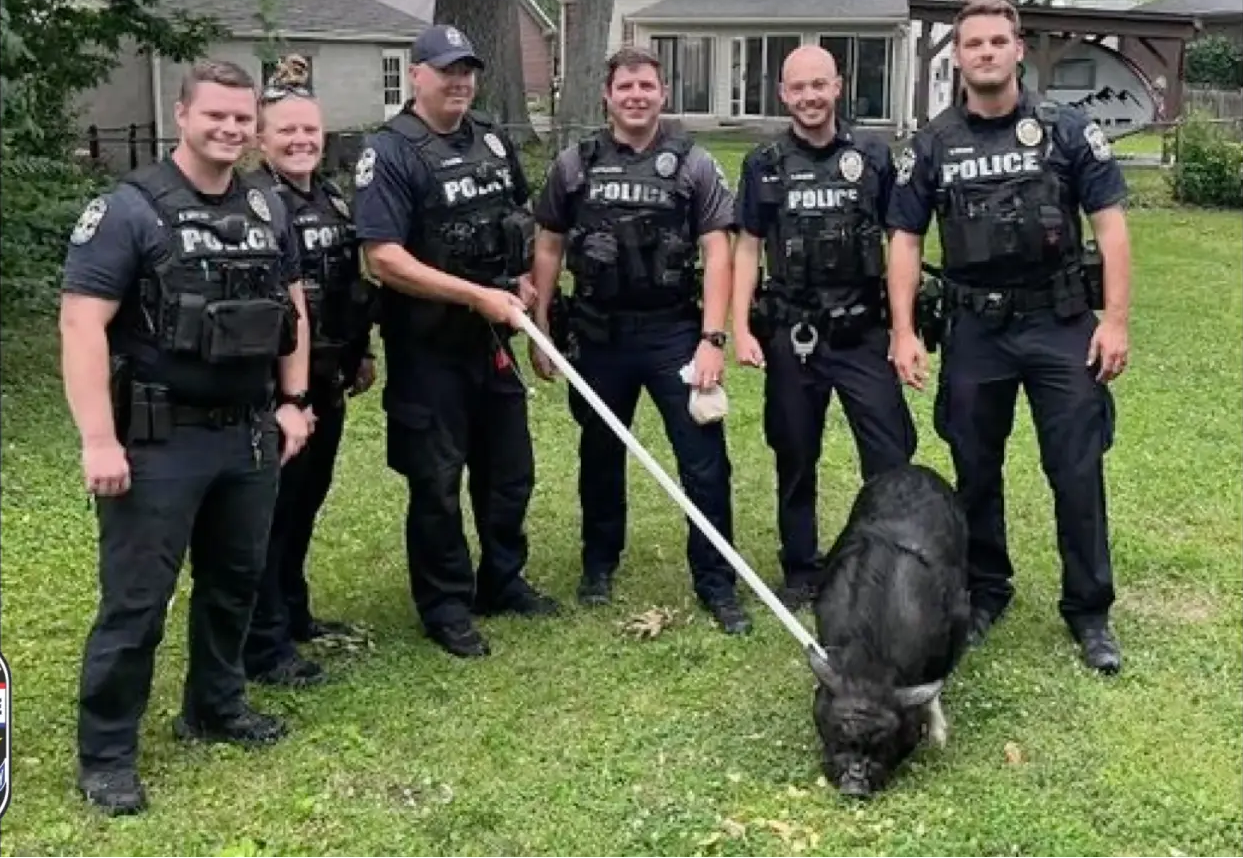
[(132, 138)]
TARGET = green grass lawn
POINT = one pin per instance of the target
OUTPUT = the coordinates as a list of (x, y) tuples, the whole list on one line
[(575, 739)]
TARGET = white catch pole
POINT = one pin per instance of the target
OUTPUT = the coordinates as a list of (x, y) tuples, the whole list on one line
[(804, 637)]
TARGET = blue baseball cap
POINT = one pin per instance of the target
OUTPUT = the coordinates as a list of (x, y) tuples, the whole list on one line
[(442, 45)]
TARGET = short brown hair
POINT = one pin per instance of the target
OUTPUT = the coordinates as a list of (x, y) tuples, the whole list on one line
[(975, 8), (223, 72), (630, 57)]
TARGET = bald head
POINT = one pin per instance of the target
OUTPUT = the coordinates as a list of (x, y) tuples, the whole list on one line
[(810, 86), (807, 63)]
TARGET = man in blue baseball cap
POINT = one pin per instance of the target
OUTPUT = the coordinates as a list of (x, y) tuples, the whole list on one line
[(441, 210), (443, 45)]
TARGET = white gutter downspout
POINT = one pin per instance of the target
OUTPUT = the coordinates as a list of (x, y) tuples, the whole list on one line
[(157, 98)]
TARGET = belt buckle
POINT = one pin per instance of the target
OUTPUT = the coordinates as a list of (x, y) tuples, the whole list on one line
[(803, 348), (996, 307)]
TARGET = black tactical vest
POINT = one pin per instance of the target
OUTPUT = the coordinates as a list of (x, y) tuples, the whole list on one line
[(469, 225), (631, 246), (340, 304), (825, 247), (213, 314), (1006, 217)]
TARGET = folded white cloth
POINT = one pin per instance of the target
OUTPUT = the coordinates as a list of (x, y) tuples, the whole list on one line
[(706, 406)]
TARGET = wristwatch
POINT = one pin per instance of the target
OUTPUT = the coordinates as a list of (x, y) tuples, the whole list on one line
[(301, 399), (717, 338)]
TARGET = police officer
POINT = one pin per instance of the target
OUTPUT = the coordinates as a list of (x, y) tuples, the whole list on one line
[(631, 208), (181, 295), (440, 210), (814, 200), (340, 306), (1007, 173)]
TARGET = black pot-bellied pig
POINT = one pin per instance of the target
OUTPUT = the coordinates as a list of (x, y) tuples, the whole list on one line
[(892, 616)]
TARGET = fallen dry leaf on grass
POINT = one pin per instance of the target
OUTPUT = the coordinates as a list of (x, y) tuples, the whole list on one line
[(1014, 754), (650, 623)]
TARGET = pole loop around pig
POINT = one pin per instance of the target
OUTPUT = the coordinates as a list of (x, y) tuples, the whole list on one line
[(810, 645)]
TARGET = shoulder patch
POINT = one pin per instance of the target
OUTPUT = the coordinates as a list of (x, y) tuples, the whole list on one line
[(88, 222), (364, 170), (905, 166), (1097, 141)]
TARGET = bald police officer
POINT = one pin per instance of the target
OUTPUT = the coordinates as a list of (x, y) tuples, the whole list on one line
[(440, 209), (180, 292), (815, 201), (631, 207), (1006, 174)]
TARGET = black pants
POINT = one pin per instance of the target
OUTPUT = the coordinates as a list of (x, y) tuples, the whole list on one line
[(649, 356), (796, 400), (447, 413), (202, 490), (282, 608), (1073, 413)]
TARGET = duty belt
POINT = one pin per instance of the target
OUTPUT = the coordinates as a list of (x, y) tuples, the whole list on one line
[(985, 300), (840, 327), (212, 416)]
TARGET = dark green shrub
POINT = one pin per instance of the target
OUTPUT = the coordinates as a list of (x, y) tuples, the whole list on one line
[(1208, 167), (42, 200)]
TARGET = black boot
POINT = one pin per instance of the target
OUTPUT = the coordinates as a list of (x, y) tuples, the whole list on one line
[(116, 792)]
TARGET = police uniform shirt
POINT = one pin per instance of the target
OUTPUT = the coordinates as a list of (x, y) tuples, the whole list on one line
[(756, 218), (391, 181), (1081, 155), (119, 238), (712, 201)]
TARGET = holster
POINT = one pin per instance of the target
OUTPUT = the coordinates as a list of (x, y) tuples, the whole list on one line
[(586, 323), (930, 315), (145, 413), (559, 320), (1094, 276)]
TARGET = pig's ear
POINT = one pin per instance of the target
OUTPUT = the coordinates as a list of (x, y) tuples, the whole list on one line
[(918, 695), (823, 671)]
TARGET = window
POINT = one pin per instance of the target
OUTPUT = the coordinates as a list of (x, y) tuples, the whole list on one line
[(1073, 74), (865, 64), (687, 62), (268, 68), (394, 83)]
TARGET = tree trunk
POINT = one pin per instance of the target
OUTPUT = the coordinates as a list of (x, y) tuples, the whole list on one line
[(492, 27), (582, 68)]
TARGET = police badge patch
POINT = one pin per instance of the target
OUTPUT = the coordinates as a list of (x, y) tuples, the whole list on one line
[(1028, 131), (1097, 141), (258, 205), (905, 165), (364, 170), (494, 143), (666, 164), (88, 222), (851, 165)]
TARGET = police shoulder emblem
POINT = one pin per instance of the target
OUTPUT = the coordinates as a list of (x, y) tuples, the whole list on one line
[(259, 205), (494, 143), (88, 222), (851, 165), (1028, 131), (666, 164), (1101, 150), (364, 170), (905, 165)]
